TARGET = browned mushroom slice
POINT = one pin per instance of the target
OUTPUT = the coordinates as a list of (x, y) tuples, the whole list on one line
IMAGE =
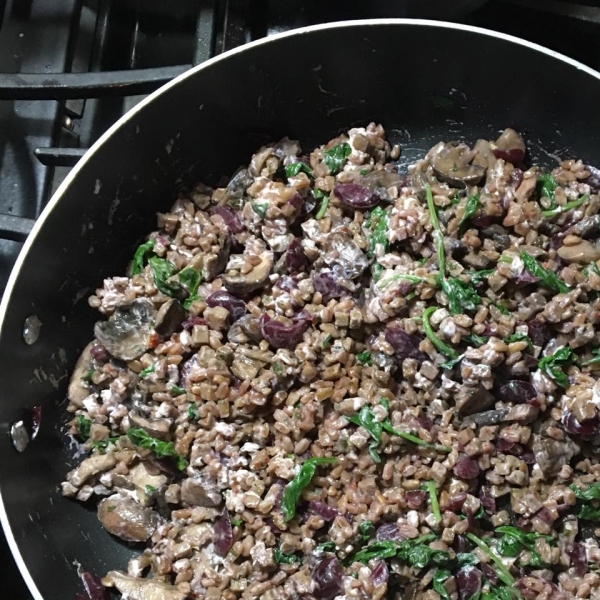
[(200, 491), (345, 257), (510, 147), (581, 252), (157, 428), (215, 262), (78, 387), (242, 284), (471, 400), (170, 316), (91, 466), (452, 164), (127, 333), (124, 517), (134, 588), (483, 154), (551, 455), (145, 478)]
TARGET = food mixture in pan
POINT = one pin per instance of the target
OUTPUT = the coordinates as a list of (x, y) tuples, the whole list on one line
[(336, 377)]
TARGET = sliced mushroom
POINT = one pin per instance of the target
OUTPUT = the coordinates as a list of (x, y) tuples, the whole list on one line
[(483, 154), (78, 387), (551, 455), (237, 186), (582, 252), (169, 318), (258, 161), (127, 333), (124, 517), (242, 284), (244, 329), (246, 368), (91, 466), (344, 256), (488, 417), (144, 478), (527, 187), (471, 400), (452, 164), (157, 428), (510, 147), (476, 260), (214, 263), (134, 588), (587, 227), (200, 491)]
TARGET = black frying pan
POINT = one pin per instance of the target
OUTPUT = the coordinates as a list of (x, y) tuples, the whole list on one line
[(425, 81)]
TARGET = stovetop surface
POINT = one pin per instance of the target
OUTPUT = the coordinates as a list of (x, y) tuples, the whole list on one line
[(147, 42)]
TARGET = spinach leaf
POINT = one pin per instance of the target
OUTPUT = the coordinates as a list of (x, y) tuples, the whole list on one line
[(461, 295), (162, 270), (471, 208), (366, 529), (547, 277), (547, 187), (365, 358), (324, 204), (178, 391), (464, 559), (589, 513), (502, 308), (260, 208), (192, 412), (512, 540), (553, 212), (433, 500), (519, 337), (293, 490), (327, 340), (478, 277), (190, 279), (440, 577), (586, 510), (594, 360), (414, 552), (297, 167), (378, 224), (102, 445), (336, 156), (83, 427), (285, 559), (142, 438), (149, 489), (592, 492), (137, 264), (476, 340), (554, 364), (398, 277), (366, 418), (326, 547), (441, 346), (236, 521), (502, 571), (145, 372), (451, 363)]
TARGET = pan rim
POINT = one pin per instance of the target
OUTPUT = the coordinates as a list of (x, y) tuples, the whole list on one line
[(6, 526)]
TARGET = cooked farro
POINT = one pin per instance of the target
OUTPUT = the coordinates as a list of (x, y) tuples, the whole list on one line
[(335, 378)]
